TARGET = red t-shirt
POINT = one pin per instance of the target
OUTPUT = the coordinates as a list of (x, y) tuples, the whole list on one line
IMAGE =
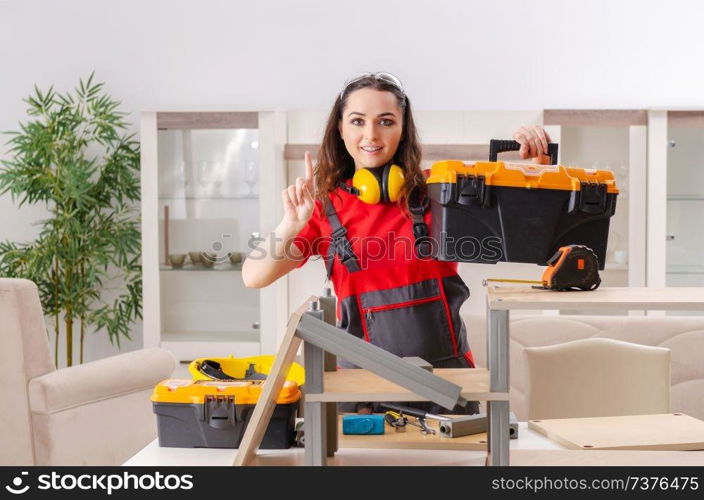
[(382, 239)]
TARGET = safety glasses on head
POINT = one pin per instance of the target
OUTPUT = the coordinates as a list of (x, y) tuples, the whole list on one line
[(386, 77)]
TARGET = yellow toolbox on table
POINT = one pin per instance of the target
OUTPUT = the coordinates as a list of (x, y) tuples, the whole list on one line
[(215, 413), (251, 368)]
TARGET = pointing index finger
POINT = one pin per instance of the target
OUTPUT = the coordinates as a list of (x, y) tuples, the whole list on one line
[(309, 167), (309, 172)]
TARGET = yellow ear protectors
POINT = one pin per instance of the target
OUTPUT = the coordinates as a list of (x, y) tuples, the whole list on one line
[(378, 185)]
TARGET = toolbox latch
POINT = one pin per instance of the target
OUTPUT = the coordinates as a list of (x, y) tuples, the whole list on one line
[(220, 411), (473, 191), (591, 199)]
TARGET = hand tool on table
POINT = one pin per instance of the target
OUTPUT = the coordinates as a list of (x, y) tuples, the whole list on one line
[(451, 427), (397, 419), (399, 422), (474, 424), (362, 424), (573, 267)]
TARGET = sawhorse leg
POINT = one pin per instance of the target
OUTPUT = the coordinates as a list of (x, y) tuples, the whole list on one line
[(314, 421), (498, 361)]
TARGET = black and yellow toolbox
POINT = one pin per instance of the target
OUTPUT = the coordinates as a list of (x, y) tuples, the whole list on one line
[(489, 212), (215, 413)]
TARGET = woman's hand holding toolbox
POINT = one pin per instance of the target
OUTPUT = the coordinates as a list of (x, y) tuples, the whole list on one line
[(534, 143)]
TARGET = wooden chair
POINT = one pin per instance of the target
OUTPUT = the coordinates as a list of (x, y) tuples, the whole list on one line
[(596, 377)]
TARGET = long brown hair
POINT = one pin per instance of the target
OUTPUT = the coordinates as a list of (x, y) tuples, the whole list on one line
[(335, 164)]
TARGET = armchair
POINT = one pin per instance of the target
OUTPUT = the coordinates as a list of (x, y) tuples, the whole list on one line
[(98, 413)]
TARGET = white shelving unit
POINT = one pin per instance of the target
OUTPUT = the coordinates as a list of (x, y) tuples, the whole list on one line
[(613, 140), (209, 181), (685, 199), (677, 203)]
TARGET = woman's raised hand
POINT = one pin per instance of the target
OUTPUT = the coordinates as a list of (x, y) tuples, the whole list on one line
[(298, 198), (534, 142)]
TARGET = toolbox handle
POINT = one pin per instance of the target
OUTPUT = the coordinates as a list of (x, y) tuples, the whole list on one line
[(497, 146)]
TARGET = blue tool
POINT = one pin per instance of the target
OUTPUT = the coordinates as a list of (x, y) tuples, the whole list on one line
[(363, 424)]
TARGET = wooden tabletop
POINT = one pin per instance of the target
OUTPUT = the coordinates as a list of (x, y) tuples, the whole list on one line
[(669, 431), (363, 385), (601, 299)]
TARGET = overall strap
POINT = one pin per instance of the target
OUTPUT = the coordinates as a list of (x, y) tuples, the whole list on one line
[(339, 245), (418, 206)]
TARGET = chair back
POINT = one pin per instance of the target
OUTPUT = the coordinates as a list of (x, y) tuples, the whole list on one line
[(596, 377)]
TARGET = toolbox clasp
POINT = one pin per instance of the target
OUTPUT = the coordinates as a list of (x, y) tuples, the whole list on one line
[(473, 190), (220, 411), (590, 199)]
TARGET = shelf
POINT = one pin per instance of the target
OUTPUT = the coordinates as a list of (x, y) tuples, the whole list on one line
[(615, 267), (226, 266), (685, 197), (685, 270), (354, 385), (411, 439), (186, 346), (212, 198), (595, 117)]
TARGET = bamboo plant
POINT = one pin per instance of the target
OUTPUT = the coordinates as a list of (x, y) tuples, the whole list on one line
[(74, 157)]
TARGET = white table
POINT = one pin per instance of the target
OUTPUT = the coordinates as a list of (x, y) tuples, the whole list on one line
[(154, 455), (530, 449)]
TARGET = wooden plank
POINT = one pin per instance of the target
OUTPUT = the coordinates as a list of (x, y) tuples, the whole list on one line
[(685, 119), (604, 298), (595, 117), (207, 120), (363, 385), (669, 431), (297, 151), (412, 439), (264, 408), (431, 152), (474, 152)]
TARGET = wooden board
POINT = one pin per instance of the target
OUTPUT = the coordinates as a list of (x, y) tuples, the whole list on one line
[(258, 422), (431, 152), (595, 117), (604, 298), (669, 431), (363, 385), (685, 118), (207, 119), (411, 439)]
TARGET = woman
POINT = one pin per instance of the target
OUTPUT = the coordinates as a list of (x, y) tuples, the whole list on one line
[(388, 292)]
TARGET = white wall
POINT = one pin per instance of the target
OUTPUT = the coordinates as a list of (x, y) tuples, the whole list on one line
[(450, 54)]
